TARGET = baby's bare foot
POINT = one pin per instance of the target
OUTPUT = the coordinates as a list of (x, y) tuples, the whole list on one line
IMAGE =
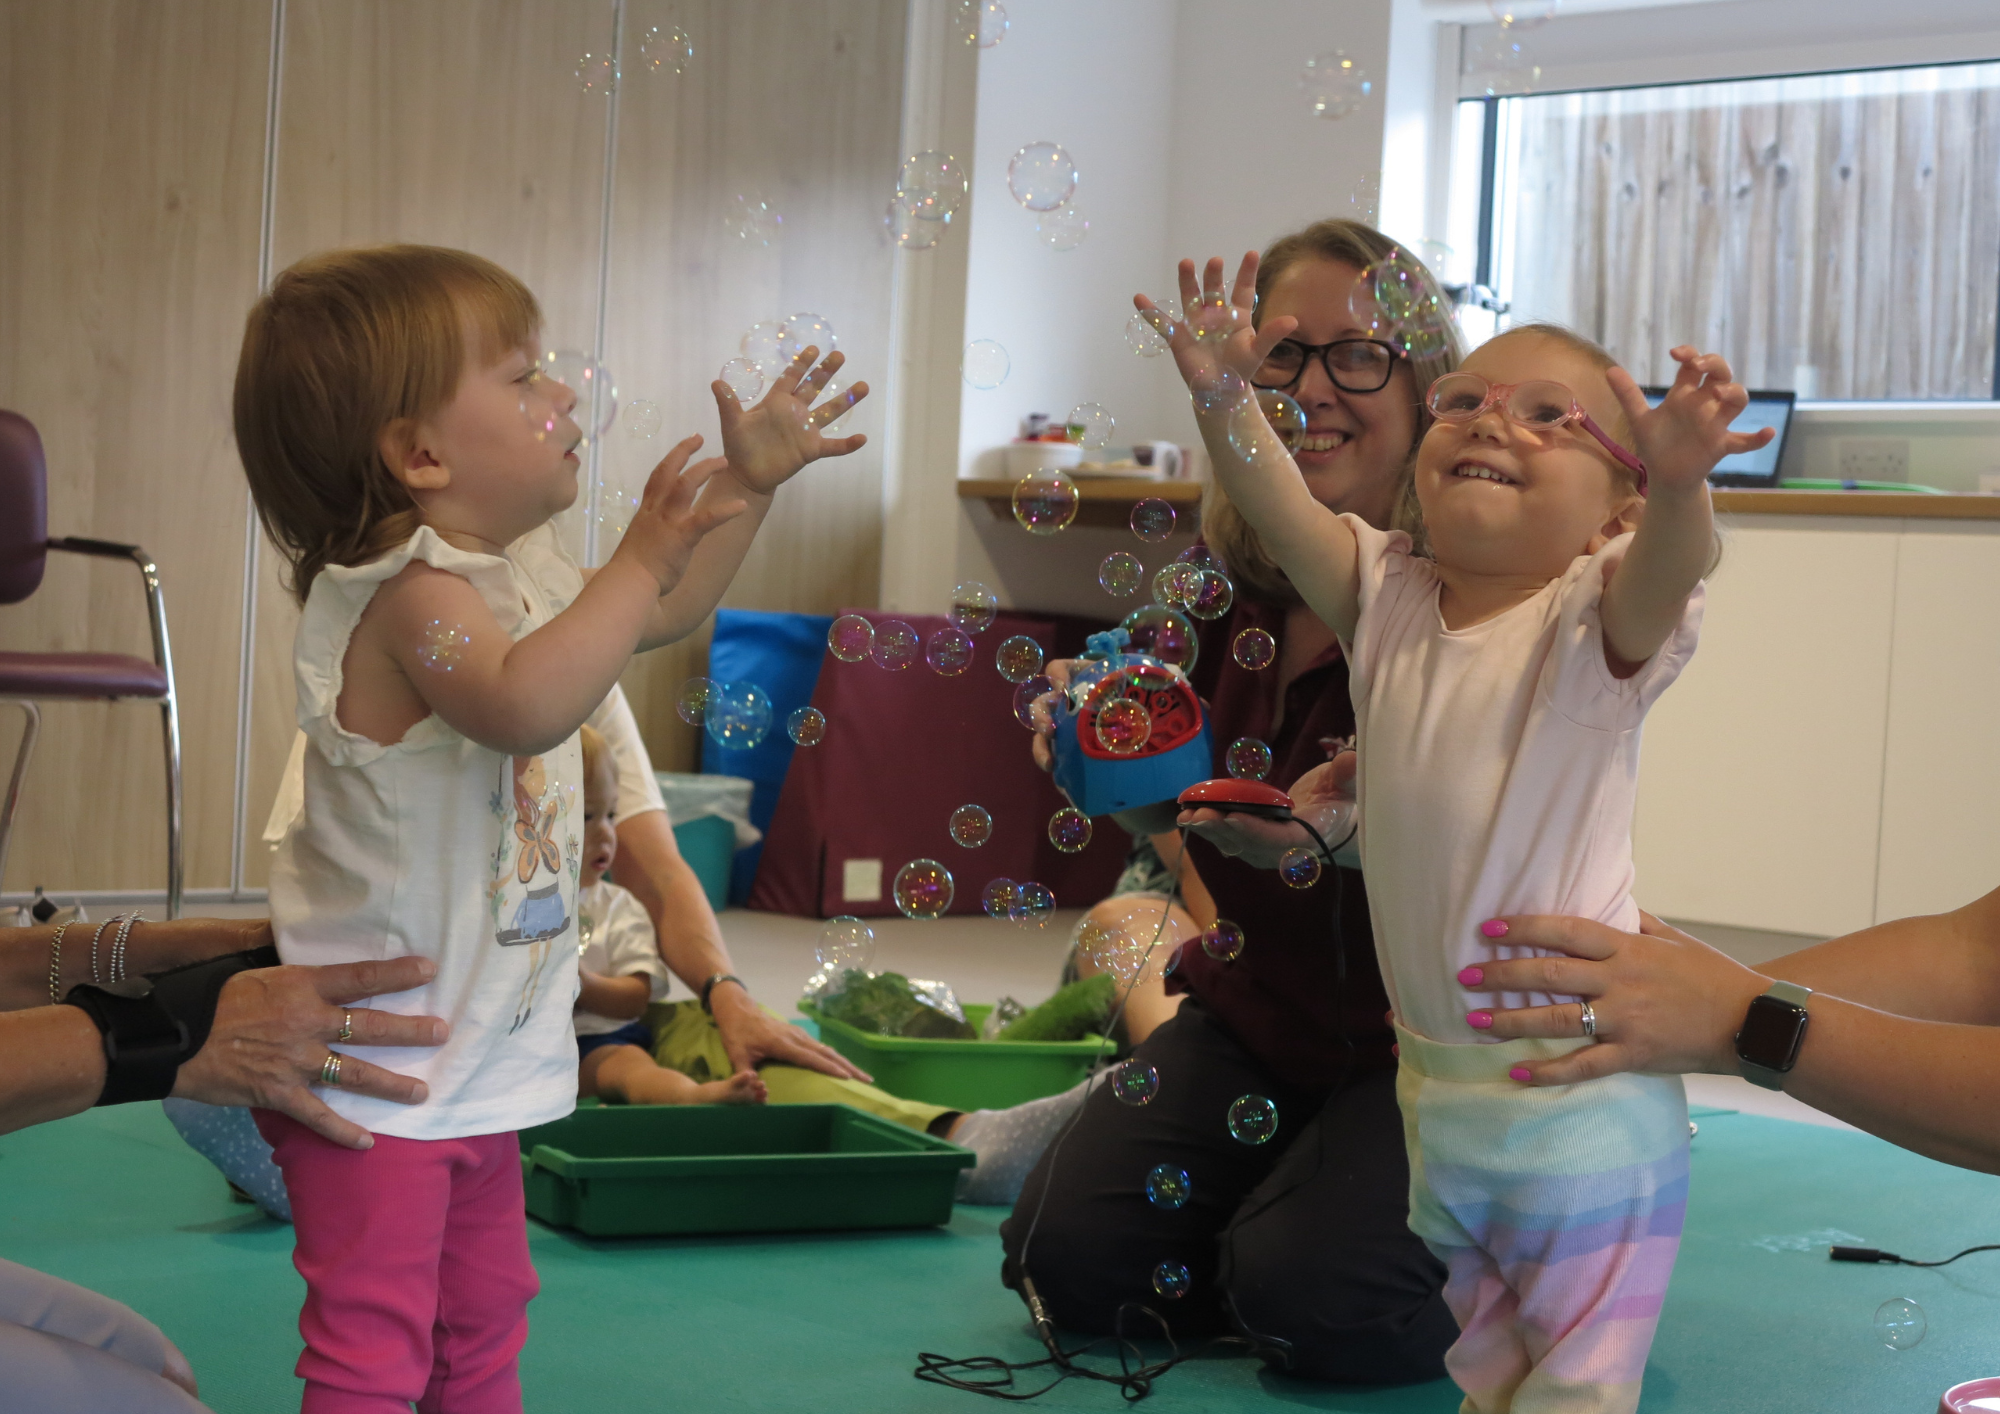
[(745, 1087)]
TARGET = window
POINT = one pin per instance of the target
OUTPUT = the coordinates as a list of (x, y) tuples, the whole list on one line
[(1835, 234)]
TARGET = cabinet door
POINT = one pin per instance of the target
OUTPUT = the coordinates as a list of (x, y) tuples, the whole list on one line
[(1941, 783), (1760, 777)]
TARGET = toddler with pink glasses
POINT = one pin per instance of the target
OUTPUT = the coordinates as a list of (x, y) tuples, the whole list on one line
[(1500, 680)]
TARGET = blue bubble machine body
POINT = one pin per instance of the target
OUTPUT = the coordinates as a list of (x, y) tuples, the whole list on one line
[(1176, 755)]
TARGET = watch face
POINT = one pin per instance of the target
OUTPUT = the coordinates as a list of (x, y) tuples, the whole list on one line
[(1771, 1032)]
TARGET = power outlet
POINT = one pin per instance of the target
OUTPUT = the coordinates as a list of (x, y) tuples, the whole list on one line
[(1874, 459)]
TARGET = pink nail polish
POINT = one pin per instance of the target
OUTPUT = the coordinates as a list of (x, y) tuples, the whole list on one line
[(1520, 1072), (1494, 927), (1472, 976), (1479, 1020)]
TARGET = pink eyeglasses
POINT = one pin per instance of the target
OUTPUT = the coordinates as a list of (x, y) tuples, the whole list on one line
[(1540, 406)]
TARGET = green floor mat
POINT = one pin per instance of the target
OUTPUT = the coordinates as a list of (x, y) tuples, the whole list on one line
[(1758, 1320)]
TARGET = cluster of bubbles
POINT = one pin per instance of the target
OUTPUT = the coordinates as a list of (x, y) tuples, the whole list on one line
[(738, 715), (894, 645), (441, 647), (1028, 904), (662, 49), (1397, 301), (1334, 84)]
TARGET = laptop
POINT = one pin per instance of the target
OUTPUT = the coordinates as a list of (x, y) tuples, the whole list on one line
[(1758, 468)]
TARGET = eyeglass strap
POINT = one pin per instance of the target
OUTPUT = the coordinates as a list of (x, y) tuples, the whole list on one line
[(1625, 458)]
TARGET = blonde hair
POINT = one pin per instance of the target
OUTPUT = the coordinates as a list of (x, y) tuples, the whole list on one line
[(341, 345), (1350, 243), (596, 753)]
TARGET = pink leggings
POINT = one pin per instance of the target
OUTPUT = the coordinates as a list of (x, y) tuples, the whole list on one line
[(415, 1255)]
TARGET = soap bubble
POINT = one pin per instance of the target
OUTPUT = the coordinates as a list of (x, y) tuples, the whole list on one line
[(1124, 726), (595, 389), (1248, 759), (598, 74), (806, 726), (1252, 1119), (665, 47), (1212, 595), (1299, 867), (1216, 389), (999, 898), (759, 344), (1222, 940), (1201, 557), (1143, 339), (1524, 16), (850, 638), (896, 645), (442, 646), (1152, 519), (949, 651), (923, 889), (1334, 84), (745, 379), (805, 331), (642, 418), (1254, 649), (1164, 633), (1171, 1280), (985, 365), (973, 607), (844, 943), (1069, 830), (1033, 903), (692, 704), (1064, 228), (1041, 176), (1135, 1083), (739, 714), (1900, 1323), (932, 185), (1502, 64), (1364, 198), (1112, 950), (1273, 413), (971, 826), (1018, 658), (905, 229), (751, 219), (1025, 693), (981, 22), (1119, 574), (1091, 425), (1175, 584), (1168, 1187), (1045, 501)]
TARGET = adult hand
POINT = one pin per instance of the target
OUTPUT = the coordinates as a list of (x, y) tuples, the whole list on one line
[(1261, 843), (1665, 1002), (272, 1032), (751, 1035)]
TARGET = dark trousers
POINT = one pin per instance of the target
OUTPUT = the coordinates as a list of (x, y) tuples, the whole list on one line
[(1304, 1239)]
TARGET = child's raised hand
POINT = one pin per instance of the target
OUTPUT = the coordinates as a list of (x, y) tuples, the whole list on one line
[(1215, 336), (673, 516), (765, 445), (1683, 438)]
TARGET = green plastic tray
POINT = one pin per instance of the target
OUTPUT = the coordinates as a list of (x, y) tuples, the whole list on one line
[(961, 1075), (659, 1170)]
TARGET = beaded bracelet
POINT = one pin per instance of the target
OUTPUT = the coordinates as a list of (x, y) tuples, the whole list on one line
[(118, 945), (55, 962)]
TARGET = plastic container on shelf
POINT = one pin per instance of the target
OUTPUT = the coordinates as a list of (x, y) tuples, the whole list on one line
[(662, 1170), (962, 1075), (1024, 457)]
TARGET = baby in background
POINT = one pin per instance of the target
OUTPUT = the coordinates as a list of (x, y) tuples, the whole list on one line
[(620, 972), (1499, 687)]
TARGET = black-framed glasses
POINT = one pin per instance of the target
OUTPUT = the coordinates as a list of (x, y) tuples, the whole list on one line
[(1351, 365)]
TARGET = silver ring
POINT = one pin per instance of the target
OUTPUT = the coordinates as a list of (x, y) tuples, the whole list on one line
[(329, 1070), (346, 1027), (1589, 1019)]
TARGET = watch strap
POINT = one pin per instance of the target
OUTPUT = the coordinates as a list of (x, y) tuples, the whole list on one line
[(1772, 1077), (714, 981)]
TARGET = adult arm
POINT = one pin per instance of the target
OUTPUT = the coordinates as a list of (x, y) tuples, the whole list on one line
[(1665, 1002), (25, 953)]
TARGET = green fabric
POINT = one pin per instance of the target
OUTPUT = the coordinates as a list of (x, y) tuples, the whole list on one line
[(685, 1038), (114, 1200)]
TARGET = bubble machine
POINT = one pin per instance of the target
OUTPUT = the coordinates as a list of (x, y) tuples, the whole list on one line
[(1110, 757)]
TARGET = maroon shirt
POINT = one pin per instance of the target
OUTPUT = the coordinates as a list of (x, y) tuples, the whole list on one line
[(1277, 998)]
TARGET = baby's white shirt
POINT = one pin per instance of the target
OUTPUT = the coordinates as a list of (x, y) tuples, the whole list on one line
[(1498, 768), (618, 941), (438, 847)]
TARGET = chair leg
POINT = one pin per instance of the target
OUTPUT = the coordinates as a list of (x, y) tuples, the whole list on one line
[(170, 722), (31, 728)]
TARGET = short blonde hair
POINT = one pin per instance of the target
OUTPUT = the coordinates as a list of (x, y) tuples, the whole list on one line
[(341, 345), (596, 755)]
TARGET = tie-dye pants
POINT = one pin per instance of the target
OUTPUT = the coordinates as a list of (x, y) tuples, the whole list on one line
[(1557, 1213)]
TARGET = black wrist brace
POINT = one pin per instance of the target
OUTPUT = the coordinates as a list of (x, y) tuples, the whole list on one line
[(153, 1025)]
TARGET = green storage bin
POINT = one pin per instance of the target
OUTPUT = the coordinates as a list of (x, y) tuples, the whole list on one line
[(962, 1075), (709, 847), (663, 1170)]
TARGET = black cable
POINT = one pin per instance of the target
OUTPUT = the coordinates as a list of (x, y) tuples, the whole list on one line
[(1872, 1254)]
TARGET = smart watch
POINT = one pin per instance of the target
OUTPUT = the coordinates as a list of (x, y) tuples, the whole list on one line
[(1773, 1030)]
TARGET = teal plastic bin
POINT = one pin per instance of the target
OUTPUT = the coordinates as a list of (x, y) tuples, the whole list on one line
[(709, 847)]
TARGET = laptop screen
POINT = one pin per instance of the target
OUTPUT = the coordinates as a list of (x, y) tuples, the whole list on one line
[(1758, 468)]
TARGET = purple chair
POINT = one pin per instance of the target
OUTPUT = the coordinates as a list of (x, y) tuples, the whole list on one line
[(29, 678)]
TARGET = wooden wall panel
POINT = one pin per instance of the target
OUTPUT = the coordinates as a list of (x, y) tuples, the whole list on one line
[(131, 170), (797, 105)]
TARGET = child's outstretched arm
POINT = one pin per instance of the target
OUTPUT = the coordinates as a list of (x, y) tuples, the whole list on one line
[(764, 446), (1217, 351), (1680, 441)]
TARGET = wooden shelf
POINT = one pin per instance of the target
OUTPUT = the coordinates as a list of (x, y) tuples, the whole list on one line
[(1102, 500), (1892, 505)]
